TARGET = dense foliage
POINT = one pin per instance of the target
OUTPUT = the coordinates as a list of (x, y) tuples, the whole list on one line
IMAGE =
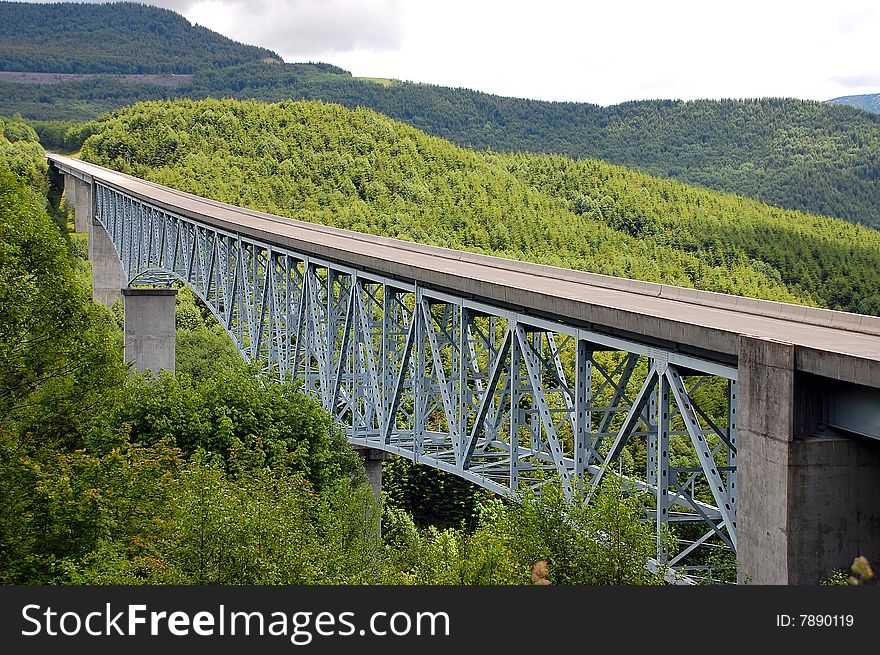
[(55, 356), (360, 170), (21, 153), (112, 478), (431, 496), (122, 37), (542, 539)]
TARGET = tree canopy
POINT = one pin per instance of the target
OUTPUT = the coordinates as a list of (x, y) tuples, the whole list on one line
[(122, 37), (359, 170)]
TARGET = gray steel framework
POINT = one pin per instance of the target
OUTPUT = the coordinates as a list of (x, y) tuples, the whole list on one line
[(497, 397)]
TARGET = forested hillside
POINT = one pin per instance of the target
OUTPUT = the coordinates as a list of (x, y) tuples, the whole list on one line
[(122, 37), (790, 153), (869, 102), (363, 171), (812, 156), (21, 153)]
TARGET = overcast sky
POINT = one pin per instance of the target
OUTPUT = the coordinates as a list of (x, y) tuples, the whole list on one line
[(603, 52)]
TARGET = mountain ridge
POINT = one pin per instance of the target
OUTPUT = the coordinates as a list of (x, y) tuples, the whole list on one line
[(869, 102), (796, 154), (122, 39)]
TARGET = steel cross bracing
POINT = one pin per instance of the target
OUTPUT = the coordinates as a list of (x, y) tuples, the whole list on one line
[(494, 396)]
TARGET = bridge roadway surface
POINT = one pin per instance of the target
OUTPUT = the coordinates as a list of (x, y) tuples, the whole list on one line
[(836, 345)]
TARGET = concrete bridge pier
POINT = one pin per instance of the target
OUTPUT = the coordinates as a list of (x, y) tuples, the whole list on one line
[(373, 459), (108, 278), (149, 329), (69, 189), (78, 195), (82, 204), (808, 499)]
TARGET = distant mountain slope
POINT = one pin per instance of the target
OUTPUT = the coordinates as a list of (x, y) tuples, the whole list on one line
[(869, 102), (111, 38), (791, 153), (817, 157), (363, 171)]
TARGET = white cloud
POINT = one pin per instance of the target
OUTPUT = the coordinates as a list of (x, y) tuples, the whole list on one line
[(613, 52), (855, 19), (858, 81), (302, 27)]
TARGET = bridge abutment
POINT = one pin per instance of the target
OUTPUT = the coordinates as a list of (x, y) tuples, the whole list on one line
[(807, 502), (108, 277), (149, 328)]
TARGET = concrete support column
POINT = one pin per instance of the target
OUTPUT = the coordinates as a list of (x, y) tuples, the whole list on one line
[(82, 205), (373, 459), (807, 503), (835, 505), (69, 189), (149, 328), (764, 435), (108, 278)]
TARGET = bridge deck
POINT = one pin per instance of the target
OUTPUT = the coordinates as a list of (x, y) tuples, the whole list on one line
[(832, 344)]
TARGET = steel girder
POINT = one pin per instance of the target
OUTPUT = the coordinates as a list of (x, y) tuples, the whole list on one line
[(497, 397)]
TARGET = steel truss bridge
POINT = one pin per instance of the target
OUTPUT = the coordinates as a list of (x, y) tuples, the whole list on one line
[(503, 373)]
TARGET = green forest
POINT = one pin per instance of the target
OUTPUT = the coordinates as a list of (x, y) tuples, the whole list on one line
[(816, 157), (213, 475), (122, 37), (363, 171)]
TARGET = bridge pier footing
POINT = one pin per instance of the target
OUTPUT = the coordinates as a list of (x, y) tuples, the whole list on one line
[(108, 278), (808, 503), (149, 328)]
